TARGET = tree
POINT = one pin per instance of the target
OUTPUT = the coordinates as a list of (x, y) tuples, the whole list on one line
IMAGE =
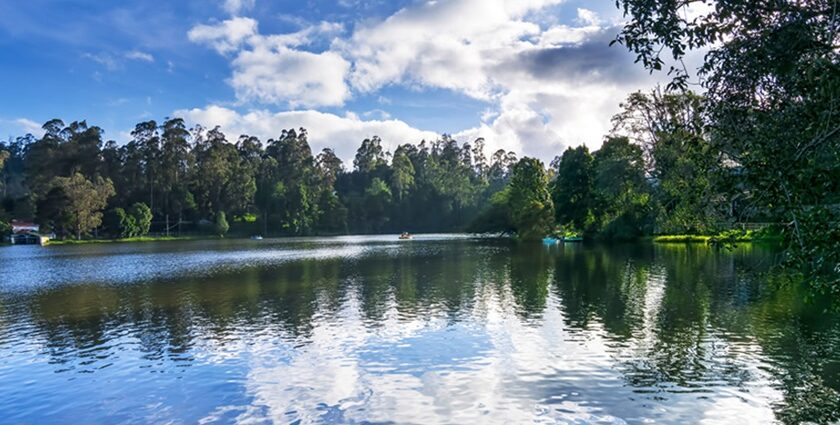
[(377, 201), (531, 209), (572, 188), (84, 201), (772, 76), (296, 188), (120, 224), (221, 226), (175, 161), (690, 191), (496, 217), (223, 179), (370, 155), (142, 215), (621, 195), (402, 176)]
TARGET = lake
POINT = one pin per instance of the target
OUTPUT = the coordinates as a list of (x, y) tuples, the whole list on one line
[(440, 329)]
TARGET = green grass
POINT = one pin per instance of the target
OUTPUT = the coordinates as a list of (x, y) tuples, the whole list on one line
[(681, 238), (125, 240), (728, 236)]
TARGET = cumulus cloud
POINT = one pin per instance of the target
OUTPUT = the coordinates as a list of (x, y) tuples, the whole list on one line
[(270, 69), (225, 36), (446, 45), (547, 84), (342, 134)]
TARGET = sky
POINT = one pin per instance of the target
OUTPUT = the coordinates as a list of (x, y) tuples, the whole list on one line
[(533, 76)]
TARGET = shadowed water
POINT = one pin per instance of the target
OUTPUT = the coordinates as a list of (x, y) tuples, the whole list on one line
[(441, 329)]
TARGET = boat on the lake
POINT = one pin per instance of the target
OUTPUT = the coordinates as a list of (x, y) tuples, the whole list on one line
[(572, 239), (256, 238), (406, 236), (548, 240)]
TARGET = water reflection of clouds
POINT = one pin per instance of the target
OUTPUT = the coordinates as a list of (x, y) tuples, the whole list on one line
[(501, 370), (447, 334)]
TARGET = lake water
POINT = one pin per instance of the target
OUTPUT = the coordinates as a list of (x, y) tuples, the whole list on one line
[(441, 329)]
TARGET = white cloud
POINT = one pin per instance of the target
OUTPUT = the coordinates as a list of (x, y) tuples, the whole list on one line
[(114, 62), (551, 86), (588, 17), (235, 7), (547, 84), (140, 56), (109, 62), (307, 79), (446, 45), (269, 69), (29, 126), (342, 134), (225, 36)]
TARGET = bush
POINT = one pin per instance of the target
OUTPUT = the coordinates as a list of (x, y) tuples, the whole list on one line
[(221, 227), (142, 218), (120, 224)]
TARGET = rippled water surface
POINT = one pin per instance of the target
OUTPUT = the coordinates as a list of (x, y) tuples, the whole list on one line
[(441, 329)]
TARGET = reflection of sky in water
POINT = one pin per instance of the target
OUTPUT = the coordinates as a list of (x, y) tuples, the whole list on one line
[(366, 330)]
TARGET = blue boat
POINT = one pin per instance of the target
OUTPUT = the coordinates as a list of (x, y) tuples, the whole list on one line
[(550, 240)]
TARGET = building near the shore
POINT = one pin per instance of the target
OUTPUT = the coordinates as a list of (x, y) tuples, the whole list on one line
[(26, 233)]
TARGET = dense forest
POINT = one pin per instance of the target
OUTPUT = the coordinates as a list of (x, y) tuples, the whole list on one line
[(762, 144), (171, 179)]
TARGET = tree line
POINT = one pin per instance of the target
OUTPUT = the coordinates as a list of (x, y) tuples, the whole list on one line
[(169, 178), (659, 176)]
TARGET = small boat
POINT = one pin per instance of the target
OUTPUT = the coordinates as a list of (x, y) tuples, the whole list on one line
[(550, 241), (572, 239), (256, 238), (405, 236)]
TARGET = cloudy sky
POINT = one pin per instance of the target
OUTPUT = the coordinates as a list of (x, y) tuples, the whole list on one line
[(534, 76)]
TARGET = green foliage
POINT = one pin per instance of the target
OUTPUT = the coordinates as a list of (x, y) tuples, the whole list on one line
[(82, 203), (221, 226), (119, 224), (772, 76), (621, 192), (689, 190), (681, 238), (572, 188), (529, 203), (5, 230), (370, 155), (496, 217), (142, 216)]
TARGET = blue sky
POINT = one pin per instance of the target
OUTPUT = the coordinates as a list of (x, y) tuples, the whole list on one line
[(534, 76)]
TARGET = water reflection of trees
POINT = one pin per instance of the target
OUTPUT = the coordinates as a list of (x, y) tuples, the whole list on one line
[(678, 318)]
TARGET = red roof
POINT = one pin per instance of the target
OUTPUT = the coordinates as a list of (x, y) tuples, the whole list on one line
[(20, 226)]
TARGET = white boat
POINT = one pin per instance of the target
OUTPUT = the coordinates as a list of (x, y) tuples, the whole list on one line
[(256, 238)]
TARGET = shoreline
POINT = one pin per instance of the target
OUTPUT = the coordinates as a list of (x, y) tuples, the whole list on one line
[(139, 239), (655, 239)]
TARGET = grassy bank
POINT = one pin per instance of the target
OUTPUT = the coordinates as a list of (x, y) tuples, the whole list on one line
[(729, 236), (125, 240), (681, 238)]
